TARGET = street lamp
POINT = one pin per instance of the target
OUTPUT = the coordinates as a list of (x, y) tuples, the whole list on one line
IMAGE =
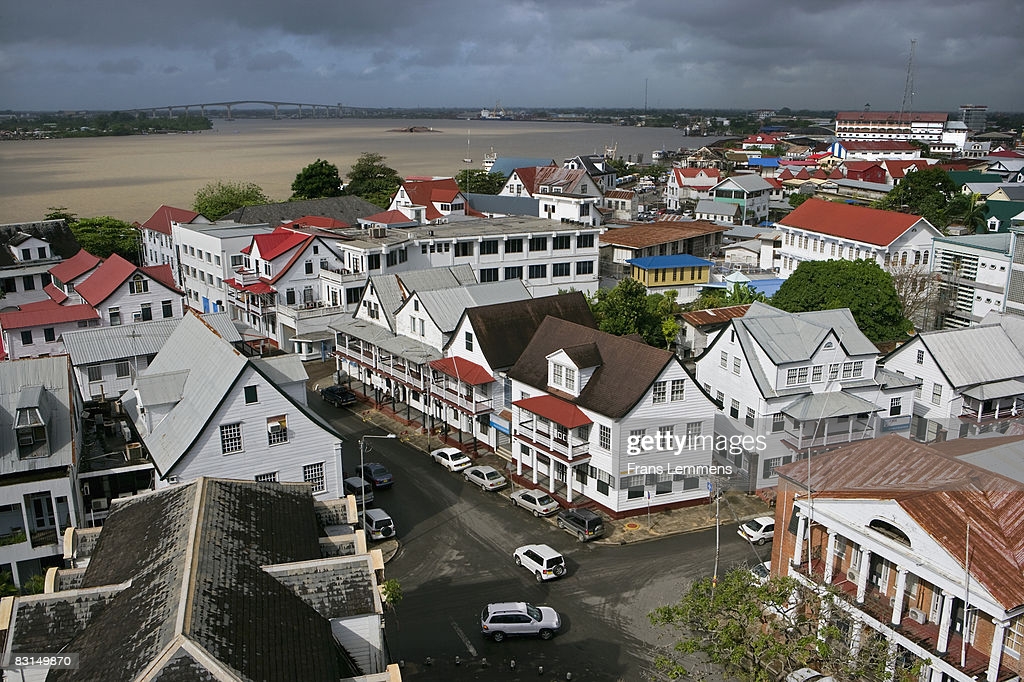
[(362, 485)]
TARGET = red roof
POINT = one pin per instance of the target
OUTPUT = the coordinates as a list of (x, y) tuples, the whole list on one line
[(877, 146), (774, 182), (323, 222), (74, 267), (162, 274), (464, 370), (55, 294), (1007, 153), (259, 287), (114, 272), (870, 225), (388, 218), (46, 312), (280, 241), (898, 168), (555, 409), (428, 192), (165, 215), (761, 138)]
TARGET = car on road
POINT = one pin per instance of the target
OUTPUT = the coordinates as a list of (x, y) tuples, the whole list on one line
[(377, 474), (759, 530), (508, 619), (339, 396), (541, 560), (537, 501), (583, 523), (378, 525), (488, 478), (761, 571), (361, 489), (451, 459), (808, 675)]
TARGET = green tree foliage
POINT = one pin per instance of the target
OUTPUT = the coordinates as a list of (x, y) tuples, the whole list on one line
[(7, 586), (105, 235), (967, 211), (797, 198), (318, 180), (34, 585), (216, 199), (860, 285), (926, 193), (629, 309), (61, 213), (372, 180), (756, 630), (737, 294), (479, 181)]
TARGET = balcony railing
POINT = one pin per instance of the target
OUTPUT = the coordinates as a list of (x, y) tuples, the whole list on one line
[(470, 404), (859, 430), (1007, 411), (570, 448), (42, 537)]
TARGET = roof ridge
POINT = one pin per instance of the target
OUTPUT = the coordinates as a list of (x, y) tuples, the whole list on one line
[(183, 618)]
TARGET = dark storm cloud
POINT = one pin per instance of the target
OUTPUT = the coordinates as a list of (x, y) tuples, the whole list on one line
[(466, 53)]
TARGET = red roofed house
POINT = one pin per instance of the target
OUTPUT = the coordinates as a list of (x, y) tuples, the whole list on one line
[(122, 292), (67, 274), (865, 171), (530, 181), (762, 141), (157, 240), (429, 200), (689, 183), (611, 419), (35, 329), (825, 230), (916, 547)]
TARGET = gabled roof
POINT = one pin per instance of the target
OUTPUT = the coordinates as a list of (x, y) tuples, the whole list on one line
[(347, 209), (625, 375), (46, 312), (503, 330), (392, 217), (392, 290), (114, 272), (279, 242), (190, 596), (446, 306), (568, 179), (941, 494), (50, 378), (103, 344), (505, 165), (898, 168), (955, 351), (651, 234), (161, 220), (749, 183), (868, 225), (74, 267), (715, 316), (429, 192)]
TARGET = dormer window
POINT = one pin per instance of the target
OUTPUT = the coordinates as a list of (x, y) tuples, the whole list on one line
[(29, 426), (570, 379)]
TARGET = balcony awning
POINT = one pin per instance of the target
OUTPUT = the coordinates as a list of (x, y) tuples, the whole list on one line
[(557, 410), (828, 406), (255, 288), (996, 389), (464, 370)]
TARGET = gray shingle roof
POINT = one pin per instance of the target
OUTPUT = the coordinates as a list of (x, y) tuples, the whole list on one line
[(194, 555), (48, 384), (346, 209)]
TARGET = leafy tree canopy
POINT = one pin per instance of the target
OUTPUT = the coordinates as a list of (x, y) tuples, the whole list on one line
[(860, 285), (926, 193), (216, 199), (797, 198), (61, 213), (629, 309), (105, 235), (318, 180), (372, 180), (737, 294), (479, 181)]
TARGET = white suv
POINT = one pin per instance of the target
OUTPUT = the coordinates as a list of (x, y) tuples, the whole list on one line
[(498, 621), (541, 560)]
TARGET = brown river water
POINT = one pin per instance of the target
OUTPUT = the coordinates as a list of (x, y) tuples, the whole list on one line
[(130, 177)]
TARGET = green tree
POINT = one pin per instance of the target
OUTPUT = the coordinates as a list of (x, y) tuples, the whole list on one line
[(629, 309), (967, 211), (756, 630), (372, 180), (479, 181), (34, 585), (104, 235), (7, 586), (61, 213), (218, 198), (797, 198), (737, 294), (860, 285), (317, 180), (926, 193)]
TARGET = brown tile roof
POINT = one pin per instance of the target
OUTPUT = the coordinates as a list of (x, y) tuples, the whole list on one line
[(700, 318), (941, 494), (661, 232), (627, 369), (504, 329)]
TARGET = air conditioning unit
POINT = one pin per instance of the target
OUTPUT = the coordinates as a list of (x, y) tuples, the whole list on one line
[(853, 575), (99, 504), (917, 615), (274, 427)]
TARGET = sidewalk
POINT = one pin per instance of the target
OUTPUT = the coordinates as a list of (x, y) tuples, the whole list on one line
[(734, 507)]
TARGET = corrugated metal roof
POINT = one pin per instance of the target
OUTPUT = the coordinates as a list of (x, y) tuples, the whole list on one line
[(103, 344), (282, 369), (956, 353), (44, 382), (161, 389), (817, 406), (446, 306), (681, 260), (794, 337), (402, 346)]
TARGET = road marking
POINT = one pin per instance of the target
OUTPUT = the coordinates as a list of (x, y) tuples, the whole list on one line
[(465, 640)]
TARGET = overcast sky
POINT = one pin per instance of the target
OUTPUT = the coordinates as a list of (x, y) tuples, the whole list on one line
[(831, 54)]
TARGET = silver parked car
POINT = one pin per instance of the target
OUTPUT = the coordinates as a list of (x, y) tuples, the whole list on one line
[(507, 619), (536, 501), (486, 477)]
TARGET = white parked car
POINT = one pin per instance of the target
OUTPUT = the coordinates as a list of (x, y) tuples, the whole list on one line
[(544, 562), (759, 530), (536, 501), (451, 459), (486, 477), (762, 571), (808, 675)]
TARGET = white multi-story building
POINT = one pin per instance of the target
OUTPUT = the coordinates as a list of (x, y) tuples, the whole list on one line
[(825, 230), (890, 125), (791, 384), (751, 193), (689, 184), (430, 201), (611, 419), (158, 235), (974, 271)]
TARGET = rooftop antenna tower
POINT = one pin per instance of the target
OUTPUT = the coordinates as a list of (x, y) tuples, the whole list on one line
[(645, 98), (908, 89)]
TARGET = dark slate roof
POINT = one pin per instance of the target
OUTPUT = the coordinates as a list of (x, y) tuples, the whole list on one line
[(194, 554), (502, 205), (56, 232), (503, 330), (345, 209), (584, 355), (627, 369)]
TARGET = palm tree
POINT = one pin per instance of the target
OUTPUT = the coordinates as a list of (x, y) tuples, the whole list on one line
[(968, 211)]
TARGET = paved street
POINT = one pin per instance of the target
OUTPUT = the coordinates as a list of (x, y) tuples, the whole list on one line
[(455, 556)]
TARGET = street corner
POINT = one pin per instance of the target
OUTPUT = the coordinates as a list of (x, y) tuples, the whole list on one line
[(389, 549)]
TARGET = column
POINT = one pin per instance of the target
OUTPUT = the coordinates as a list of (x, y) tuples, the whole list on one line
[(798, 549), (830, 558), (862, 576), (855, 637), (533, 452), (518, 454), (570, 474), (901, 588), (997, 648), (945, 621)]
